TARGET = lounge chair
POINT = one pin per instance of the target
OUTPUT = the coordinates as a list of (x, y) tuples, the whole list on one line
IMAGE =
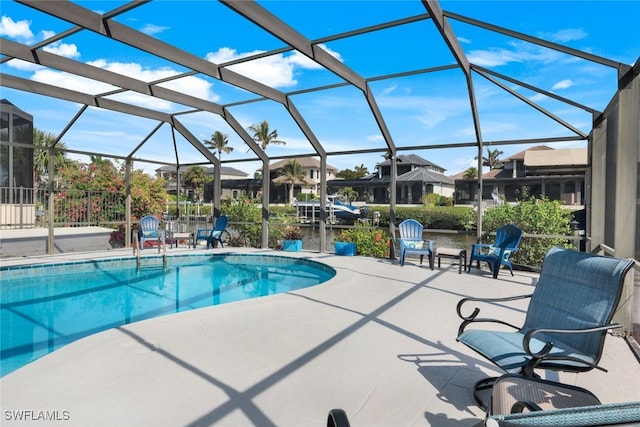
[(412, 242), (569, 314), (215, 234), (524, 401), (499, 253), (150, 231)]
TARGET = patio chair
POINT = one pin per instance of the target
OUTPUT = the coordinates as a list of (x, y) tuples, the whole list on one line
[(213, 235), (526, 401), (564, 329), (150, 231), (499, 253), (412, 242)]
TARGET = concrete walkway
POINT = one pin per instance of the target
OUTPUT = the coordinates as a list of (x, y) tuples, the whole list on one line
[(378, 340)]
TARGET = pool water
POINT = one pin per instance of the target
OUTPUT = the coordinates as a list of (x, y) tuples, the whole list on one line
[(46, 307)]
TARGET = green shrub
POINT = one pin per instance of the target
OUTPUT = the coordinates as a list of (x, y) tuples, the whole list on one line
[(246, 221), (431, 200), (440, 217), (533, 216), (369, 241)]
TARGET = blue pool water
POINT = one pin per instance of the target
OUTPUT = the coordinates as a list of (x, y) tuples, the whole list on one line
[(46, 307)]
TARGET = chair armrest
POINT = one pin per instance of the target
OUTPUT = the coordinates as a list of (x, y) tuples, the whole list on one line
[(543, 354), (473, 317), (479, 248)]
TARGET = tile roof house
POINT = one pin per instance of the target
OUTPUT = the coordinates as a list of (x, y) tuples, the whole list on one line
[(310, 185), (170, 174), (558, 174), (416, 177)]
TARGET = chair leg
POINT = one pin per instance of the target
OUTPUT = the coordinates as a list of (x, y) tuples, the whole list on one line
[(480, 393)]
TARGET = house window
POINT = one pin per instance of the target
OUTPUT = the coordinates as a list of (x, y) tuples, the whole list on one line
[(311, 173)]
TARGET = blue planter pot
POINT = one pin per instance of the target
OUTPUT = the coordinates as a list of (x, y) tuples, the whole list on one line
[(345, 248), (292, 245)]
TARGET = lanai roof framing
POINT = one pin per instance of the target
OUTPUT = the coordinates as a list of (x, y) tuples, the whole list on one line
[(105, 25)]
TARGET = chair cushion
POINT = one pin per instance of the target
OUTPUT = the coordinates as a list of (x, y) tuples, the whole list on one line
[(412, 244), (510, 389), (505, 349)]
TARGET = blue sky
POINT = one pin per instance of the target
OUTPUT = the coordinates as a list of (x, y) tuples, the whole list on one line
[(419, 110)]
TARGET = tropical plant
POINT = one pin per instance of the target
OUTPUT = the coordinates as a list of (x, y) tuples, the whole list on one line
[(361, 171), (291, 232), (369, 241), (431, 200), (533, 216), (264, 136), (219, 142), (346, 235), (347, 174), (291, 173), (105, 182), (471, 173), (349, 193), (492, 160), (245, 215), (42, 141), (195, 177)]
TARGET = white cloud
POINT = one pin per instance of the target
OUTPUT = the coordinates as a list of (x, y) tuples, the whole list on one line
[(70, 81), (152, 29), (19, 64), (194, 86), (566, 35), (492, 57), (389, 89), (19, 30), (331, 52), (63, 49), (562, 84), (134, 70), (464, 40), (518, 52), (275, 70), (191, 85), (145, 101)]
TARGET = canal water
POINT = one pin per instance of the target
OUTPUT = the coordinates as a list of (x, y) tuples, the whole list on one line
[(445, 238)]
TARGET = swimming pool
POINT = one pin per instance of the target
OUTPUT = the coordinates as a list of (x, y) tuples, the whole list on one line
[(45, 307)]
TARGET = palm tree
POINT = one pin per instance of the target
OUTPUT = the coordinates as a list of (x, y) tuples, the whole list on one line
[(349, 193), (41, 142), (471, 173), (219, 142), (291, 173), (262, 135), (492, 159), (361, 171), (195, 177)]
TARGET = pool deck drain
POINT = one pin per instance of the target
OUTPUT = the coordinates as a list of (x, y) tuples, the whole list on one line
[(378, 340)]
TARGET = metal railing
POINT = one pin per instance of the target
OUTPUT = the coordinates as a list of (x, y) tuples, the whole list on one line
[(29, 208)]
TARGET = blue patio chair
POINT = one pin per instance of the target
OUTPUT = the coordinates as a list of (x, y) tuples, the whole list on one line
[(213, 235), (569, 314), (150, 231), (412, 242), (526, 401), (499, 253)]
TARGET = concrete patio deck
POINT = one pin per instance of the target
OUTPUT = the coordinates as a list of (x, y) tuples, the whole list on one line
[(378, 341)]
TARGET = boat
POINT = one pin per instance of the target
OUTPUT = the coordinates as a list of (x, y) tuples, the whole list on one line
[(338, 212)]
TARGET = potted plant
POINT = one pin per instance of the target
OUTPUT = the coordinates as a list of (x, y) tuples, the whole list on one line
[(345, 243), (292, 238)]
